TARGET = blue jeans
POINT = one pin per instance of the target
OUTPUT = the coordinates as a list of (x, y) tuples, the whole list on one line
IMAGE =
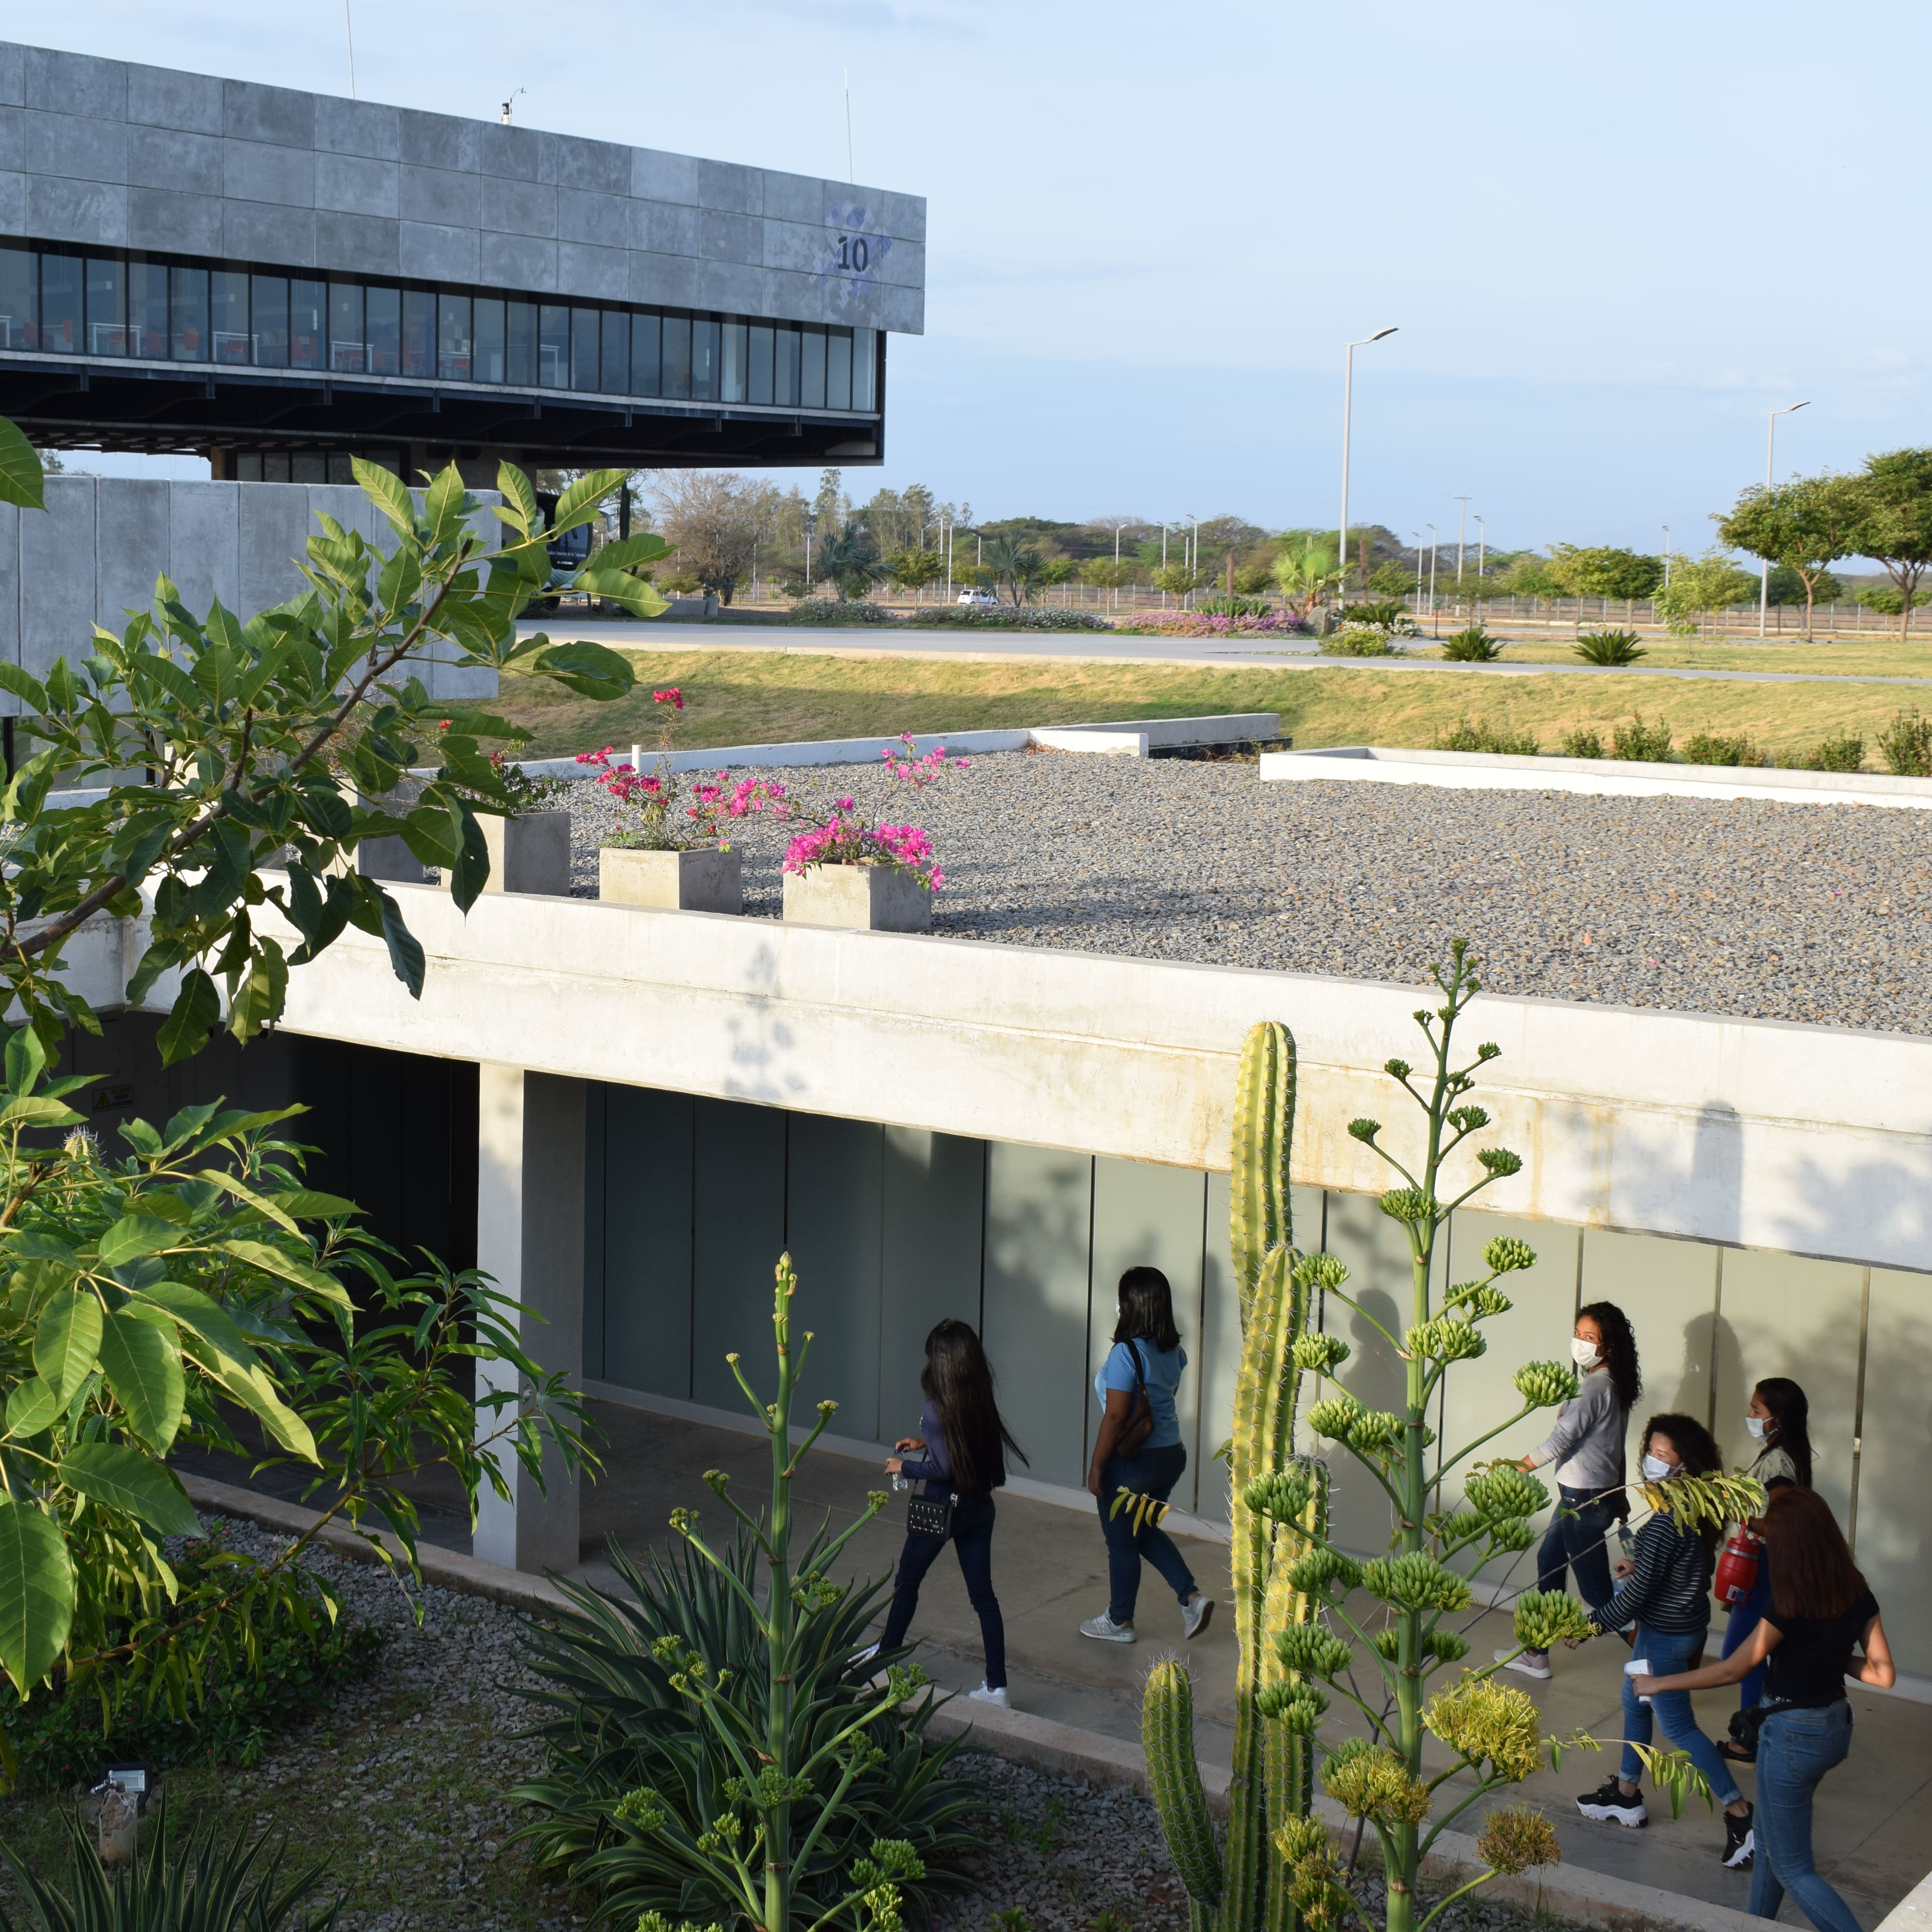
[(1745, 1618), (1795, 1750), (1671, 1653), (1575, 1540), (973, 1538), (1154, 1472)]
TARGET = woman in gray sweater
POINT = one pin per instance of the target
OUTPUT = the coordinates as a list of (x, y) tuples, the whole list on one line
[(1587, 1446)]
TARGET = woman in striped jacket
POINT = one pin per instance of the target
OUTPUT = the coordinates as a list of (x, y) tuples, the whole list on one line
[(1665, 1590)]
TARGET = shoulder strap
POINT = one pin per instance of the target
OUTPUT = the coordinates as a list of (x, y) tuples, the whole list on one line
[(1140, 1379)]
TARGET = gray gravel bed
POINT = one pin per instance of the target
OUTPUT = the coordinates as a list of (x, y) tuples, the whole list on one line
[(1811, 912)]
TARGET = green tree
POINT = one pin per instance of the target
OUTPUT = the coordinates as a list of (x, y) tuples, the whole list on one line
[(1712, 582), (1895, 527), (1105, 574), (1603, 570), (849, 561), (1306, 573), (1802, 527), (149, 1293), (914, 569), (714, 520), (1017, 564), (1394, 580)]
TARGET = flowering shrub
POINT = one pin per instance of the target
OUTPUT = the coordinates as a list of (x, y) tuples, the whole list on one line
[(845, 840), (972, 617), (1215, 624), (833, 610), (841, 839)]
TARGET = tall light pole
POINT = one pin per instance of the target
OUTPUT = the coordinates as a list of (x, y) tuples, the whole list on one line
[(1481, 536), (1117, 528), (1462, 531), (1417, 535), (1193, 556), (1666, 560), (1348, 397), (1770, 441), (1431, 528)]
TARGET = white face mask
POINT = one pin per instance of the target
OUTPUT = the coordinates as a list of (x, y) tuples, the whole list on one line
[(1584, 1354), (1657, 1470), (1755, 1424)]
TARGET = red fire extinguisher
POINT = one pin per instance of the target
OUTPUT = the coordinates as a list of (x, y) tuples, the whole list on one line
[(1738, 1567)]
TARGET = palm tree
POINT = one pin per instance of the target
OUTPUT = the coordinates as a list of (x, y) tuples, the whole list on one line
[(1016, 564), (850, 560), (1305, 576)]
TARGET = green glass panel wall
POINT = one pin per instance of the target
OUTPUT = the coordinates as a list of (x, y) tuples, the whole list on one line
[(1895, 1526), (738, 1194), (833, 1229), (641, 1158), (1039, 1220), (933, 1222), (1781, 1314)]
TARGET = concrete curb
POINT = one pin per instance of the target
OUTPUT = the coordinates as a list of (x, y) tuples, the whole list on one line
[(449, 1568), (1580, 1896)]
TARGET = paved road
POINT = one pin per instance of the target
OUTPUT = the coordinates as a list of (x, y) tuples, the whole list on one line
[(1115, 647)]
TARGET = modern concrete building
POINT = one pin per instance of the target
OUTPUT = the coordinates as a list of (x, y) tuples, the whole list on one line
[(278, 280), (625, 1115)]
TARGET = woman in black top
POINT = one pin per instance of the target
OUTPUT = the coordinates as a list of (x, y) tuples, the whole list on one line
[(1822, 1611)]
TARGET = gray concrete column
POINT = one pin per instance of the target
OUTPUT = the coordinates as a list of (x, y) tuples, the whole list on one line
[(529, 1237)]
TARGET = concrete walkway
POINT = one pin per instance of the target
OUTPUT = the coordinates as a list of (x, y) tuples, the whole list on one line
[(1872, 1817), (1113, 647)]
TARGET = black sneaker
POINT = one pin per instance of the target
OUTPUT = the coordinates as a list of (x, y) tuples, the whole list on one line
[(1740, 1840), (1609, 1805)]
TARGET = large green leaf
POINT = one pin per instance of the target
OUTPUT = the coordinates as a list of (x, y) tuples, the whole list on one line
[(134, 1235), (591, 670), (120, 1476), (253, 1389), (67, 1342), (196, 1013), (36, 1593), (31, 1408), (275, 1262), (21, 479), (38, 1110), (199, 1313), (143, 1368)]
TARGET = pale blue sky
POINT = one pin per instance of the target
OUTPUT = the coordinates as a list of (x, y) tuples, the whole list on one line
[(1612, 236)]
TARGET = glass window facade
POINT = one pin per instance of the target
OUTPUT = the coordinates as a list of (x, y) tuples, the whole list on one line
[(62, 301)]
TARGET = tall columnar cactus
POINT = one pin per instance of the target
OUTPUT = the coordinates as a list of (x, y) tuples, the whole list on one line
[(1276, 1506)]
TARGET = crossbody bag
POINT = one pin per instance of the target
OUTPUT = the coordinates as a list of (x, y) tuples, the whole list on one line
[(1139, 1424), (930, 1516)]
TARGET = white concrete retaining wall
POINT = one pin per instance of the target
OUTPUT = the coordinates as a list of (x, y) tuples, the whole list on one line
[(1807, 1140), (92, 556), (1602, 778), (1134, 738)]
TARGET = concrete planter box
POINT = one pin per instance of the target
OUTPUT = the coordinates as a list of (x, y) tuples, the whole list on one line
[(530, 854), (875, 898), (704, 879)]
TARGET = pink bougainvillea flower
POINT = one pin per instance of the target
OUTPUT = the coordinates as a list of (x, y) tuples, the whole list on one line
[(674, 698)]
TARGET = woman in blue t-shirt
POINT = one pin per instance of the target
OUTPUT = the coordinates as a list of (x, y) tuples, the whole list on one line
[(1139, 1377)]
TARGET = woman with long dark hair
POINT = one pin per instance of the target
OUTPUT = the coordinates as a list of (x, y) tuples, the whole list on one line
[(1587, 1446), (1138, 1450), (1667, 1594), (1821, 1616), (1780, 1423), (960, 1453)]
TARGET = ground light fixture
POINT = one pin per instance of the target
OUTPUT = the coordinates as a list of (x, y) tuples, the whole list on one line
[(1348, 388), (1770, 442)]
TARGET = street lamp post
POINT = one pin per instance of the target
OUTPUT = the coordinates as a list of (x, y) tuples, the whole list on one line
[(1417, 535), (1481, 537), (1666, 561), (1117, 528), (1348, 397), (1193, 557), (1462, 531), (1770, 440), (1435, 627)]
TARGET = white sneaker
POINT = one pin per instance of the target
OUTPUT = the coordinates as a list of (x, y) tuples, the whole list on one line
[(1528, 1661), (865, 1656), (1104, 1627), (1195, 1615), (986, 1694)]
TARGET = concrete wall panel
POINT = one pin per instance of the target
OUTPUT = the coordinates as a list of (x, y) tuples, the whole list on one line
[(644, 1245), (357, 184), (275, 525), (206, 562), (170, 158), (1895, 1527), (738, 1198), (933, 1205), (161, 98), (13, 76), (57, 575), (1039, 1219), (1778, 1315), (1151, 1216), (357, 127), (176, 223), (133, 523)]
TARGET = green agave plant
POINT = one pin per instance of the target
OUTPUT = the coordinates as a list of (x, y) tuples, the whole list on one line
[(618, 1727), (1610, 647), (237, 1888)]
